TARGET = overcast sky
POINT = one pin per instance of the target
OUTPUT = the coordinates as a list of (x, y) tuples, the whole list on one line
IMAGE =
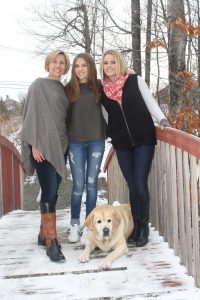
[(19, 65)]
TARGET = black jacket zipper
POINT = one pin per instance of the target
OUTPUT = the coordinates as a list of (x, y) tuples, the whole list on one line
[(120, 105)]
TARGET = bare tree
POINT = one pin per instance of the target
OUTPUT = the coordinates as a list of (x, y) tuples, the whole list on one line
[(198, 52), (71, 25), (91, 26), (148, 39), (136, 35), (198, 56), (22, 99), (177, 47)]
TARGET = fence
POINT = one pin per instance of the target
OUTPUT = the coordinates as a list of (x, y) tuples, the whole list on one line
[(174, 184), (11, 177)]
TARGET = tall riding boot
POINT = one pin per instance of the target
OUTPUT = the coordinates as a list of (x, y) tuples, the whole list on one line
[(48, 215), (135, 234), (143, 233), (41, 236)]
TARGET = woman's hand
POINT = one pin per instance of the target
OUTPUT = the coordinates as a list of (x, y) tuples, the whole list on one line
[(38, 155), (164, 123), (130, 71)]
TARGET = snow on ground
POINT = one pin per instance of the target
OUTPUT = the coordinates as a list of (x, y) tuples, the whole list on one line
[(26, 272), (151, 272)]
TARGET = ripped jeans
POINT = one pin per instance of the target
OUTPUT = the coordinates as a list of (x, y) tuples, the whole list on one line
[(85, 161)]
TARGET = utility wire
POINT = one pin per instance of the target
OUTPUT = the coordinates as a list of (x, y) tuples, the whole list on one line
[(13, 81), (14, 88), (15, 49), (10, 84), (14, 84)]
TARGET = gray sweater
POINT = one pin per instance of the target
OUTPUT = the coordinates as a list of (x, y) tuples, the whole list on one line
[(86, 121), (44, 124)]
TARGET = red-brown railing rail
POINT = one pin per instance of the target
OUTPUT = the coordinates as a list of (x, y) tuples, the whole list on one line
[(11, 177), (174, 184)]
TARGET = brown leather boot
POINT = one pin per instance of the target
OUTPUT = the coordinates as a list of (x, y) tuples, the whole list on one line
[(41, 236), (48, 215)]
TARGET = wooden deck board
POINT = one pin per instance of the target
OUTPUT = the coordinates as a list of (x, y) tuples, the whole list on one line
[(27, 273)]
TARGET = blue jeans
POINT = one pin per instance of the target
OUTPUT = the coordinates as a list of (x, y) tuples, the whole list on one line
[(135, 165), (85, 161)]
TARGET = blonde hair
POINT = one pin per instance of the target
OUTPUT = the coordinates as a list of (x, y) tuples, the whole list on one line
[(120, 63), (52, 55)]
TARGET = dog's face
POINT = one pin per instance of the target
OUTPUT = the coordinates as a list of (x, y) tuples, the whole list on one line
[(102, 221)]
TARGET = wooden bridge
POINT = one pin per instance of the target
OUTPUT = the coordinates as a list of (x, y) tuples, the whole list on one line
[(168, 267), (174, 185)]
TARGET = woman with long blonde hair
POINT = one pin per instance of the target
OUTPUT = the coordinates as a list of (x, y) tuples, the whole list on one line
[(131, 109)]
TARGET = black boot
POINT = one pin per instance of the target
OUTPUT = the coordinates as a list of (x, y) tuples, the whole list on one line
[(134, 235), (54, 252), (143, 233)]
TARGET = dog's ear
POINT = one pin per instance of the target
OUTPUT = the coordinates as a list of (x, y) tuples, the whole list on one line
[(117, 218), (89, 221)]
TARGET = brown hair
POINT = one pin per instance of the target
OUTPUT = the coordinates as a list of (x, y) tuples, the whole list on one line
[(120, 63), (53, 54), (72, 88)]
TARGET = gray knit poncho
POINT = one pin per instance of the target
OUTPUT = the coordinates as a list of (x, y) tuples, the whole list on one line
[(44, 124)]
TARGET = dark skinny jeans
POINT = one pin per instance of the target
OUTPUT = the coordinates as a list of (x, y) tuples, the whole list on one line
[(135, 165), (49, 180)]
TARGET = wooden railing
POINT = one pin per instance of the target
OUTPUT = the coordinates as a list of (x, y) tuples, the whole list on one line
[(11, 177), (174, 184)]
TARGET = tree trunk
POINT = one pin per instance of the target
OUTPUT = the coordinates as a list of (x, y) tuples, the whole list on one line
[(148, 39), (198, 74), (177, 46), (136, 35), (86, 29)]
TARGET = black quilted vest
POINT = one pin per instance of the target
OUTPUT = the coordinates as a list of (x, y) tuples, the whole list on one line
[(131, 123)]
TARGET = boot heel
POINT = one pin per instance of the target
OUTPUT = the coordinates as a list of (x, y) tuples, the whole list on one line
[(41, 242)]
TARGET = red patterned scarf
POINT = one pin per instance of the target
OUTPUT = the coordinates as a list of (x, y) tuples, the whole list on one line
[(113, 90)]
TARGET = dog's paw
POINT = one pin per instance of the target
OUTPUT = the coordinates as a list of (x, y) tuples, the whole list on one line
[(105, 264), (84, 257), (116, 203)]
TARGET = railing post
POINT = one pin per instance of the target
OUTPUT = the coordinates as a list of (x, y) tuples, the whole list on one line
[(195, 220)]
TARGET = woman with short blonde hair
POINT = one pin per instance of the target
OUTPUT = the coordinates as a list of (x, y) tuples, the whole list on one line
[(45, 142), (51, 57)]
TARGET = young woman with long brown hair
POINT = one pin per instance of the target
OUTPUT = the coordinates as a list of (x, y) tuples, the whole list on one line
[(87, 135)]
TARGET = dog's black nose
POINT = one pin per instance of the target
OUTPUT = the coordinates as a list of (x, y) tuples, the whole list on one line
[(106, 231)]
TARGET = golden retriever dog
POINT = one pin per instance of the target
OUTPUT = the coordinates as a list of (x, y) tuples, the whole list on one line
[(109, 227)]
